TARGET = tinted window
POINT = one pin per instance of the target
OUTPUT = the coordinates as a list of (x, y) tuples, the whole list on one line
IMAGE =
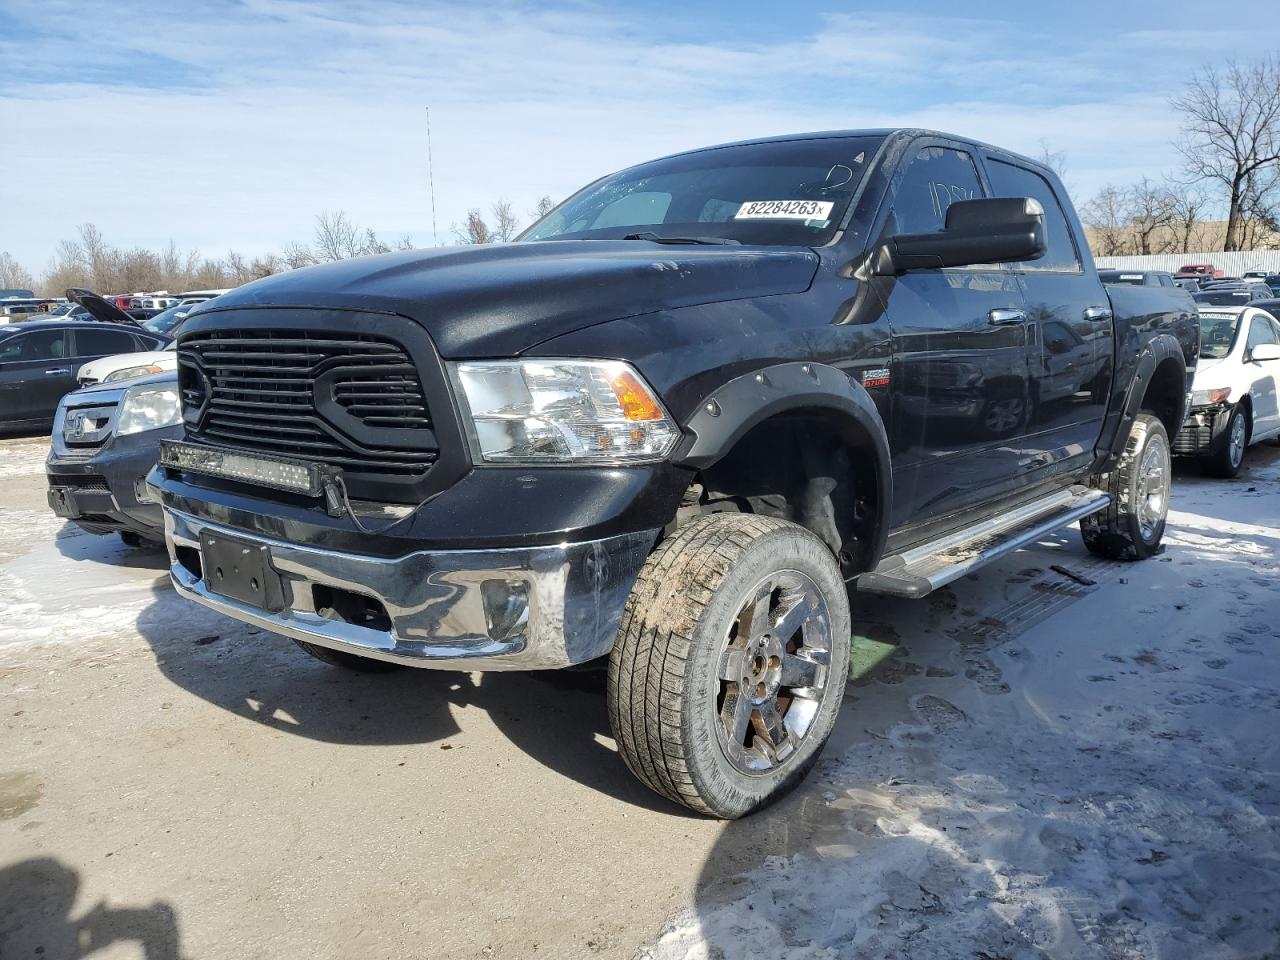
[(936, 178), (101, 343), (1165, 280), (36, 345), (1010, 181)]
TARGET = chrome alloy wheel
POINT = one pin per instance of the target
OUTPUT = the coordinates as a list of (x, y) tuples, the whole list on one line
[(772, 676), (1153, 486), (1237, 440)]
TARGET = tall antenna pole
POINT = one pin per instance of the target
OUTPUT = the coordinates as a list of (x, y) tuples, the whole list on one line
[(431, 180)]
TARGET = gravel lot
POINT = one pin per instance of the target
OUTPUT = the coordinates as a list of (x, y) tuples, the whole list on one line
[(1033, 764)]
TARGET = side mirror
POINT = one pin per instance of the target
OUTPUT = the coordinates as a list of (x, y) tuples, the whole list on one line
[(1265, 351), (995, 230)]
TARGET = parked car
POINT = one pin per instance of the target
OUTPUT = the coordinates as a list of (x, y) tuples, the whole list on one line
[(16, 293), (1234, 399), (125, 366), (666, 426), (1259, 276), (1187, 284), (39, 360), (105, 440), (1137, 278), (1199, 270), (1238, 294), (1272, 280)]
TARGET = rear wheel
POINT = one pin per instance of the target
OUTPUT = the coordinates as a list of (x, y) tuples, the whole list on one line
[(730, 665), (1229, 458), (348, 661), (1132, 526)]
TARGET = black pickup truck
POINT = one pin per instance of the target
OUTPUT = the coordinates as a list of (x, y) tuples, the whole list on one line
[(679, 424)]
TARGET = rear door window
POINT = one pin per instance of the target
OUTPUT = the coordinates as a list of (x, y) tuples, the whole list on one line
[(1009, 180), (101, 343)]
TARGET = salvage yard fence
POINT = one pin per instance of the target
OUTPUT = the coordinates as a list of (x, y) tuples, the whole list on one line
[(1232, 264)]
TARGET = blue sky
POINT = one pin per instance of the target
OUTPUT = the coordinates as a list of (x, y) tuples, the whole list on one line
[(232, 124)]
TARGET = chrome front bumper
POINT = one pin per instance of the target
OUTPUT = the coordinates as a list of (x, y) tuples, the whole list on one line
[(529, 608)]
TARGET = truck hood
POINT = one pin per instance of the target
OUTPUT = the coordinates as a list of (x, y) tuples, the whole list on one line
[(500, 300)]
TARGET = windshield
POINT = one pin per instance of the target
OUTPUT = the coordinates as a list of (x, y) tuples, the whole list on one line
[(791, 193), (1116, 277), (1224, 298), (1217, 334), (166, 321)]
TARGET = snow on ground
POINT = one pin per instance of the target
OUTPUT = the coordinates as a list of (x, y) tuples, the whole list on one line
[(1060, 771), (1036, 766), (19, 458)]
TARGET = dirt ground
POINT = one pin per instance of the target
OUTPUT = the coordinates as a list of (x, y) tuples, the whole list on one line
[(1058, 757)]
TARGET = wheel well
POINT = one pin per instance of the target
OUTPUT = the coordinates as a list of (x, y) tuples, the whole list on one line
[(814, 467), (1246, 403), (1166, 395)]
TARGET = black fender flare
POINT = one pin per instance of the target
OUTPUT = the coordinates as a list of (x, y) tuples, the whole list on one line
[(1161, 347), (727, 413)]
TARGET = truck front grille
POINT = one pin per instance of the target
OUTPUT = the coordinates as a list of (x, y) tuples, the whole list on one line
[(353, 400)]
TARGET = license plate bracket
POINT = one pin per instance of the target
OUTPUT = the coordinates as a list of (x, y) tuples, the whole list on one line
[(241, 570), (62, 502)]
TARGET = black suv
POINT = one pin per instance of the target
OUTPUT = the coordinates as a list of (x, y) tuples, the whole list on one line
[(673, 425)]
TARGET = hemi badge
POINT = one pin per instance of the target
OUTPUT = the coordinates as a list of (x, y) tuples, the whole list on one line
[(875, 377)]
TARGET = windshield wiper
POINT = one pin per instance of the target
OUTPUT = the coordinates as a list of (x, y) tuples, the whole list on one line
[(654, 238)]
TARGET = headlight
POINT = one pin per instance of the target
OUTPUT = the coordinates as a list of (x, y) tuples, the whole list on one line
[(149, 408), (1207, 398), (128, 373), (543, 411)]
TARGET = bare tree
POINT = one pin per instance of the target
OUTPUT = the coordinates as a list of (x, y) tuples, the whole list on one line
[(14, 275), (1188, 205), (544, 206), (1150, 211), (1231, 132), (337, 238), (297, 255), (505, 222), (372, 244), (1105, 215), (405, 242), (475, 230)]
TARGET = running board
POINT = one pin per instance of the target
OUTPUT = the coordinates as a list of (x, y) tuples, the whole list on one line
[(916, 572)]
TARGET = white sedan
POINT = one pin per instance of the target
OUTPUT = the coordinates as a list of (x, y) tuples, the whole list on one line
[(1233, 399)]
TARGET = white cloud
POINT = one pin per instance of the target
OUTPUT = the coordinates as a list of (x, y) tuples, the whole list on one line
[(233, 129)]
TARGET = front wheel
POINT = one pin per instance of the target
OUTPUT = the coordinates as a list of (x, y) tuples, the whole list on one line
[(730, 664), (1132, 526), (1227, 461)]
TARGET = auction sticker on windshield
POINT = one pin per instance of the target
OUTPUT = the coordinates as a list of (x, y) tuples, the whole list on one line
[(784, 210)]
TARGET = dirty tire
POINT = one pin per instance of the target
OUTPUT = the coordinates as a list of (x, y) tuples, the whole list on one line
[(1116, 532), (664, 669), (1227, 461), (348, 661)]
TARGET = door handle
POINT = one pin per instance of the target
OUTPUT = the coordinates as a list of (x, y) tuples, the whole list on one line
[(1095, 314), (58, 370), (1003, 316)]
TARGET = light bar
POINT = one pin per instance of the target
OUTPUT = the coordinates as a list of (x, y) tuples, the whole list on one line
[(295, 476)]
